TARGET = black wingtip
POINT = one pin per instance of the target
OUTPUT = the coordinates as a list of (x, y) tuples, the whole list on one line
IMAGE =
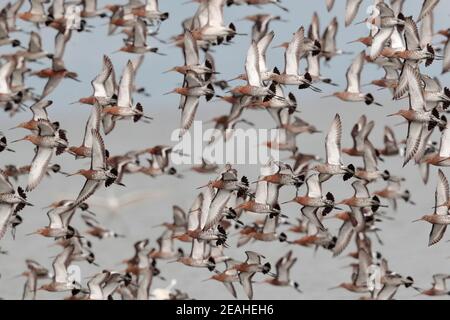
[(330, 196), (369, 99)]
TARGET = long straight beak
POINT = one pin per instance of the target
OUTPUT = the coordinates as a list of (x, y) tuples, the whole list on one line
[(165, 94), (91, 212), (417, 220), (354, 41), (281, 7), (360, 22), (236, 78), (71, 174), (17, 276), (170, 70), (332, 288), (328, 96), (14, 141), (345, 267), (293, 200), (63, 172), (401, 123), (392, 114), (314, 88), (206, 279)]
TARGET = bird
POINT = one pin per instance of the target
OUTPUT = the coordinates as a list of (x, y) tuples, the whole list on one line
[(314, 200), (258, 3), (4, 144), (58, 71), (36, 14), (294, 51), (103, 285), (439, 218), (385, 23), (93, 123), (34, 273), (359, 133), (166, 247), (228, 276), (351, 10), (427, 8), (329, 45), (248, 269), (330, 4), (138, 43), (391, 284), (11, 202), (439, 287), (439, 159), (333, 165), (360, 277), (283, 266), (254, 87), (393, 192), (193, 68), (39, 110), (98, 172), (151, 11), (420, 121), (59, 220), (97, 230), (60, 280), (124, 108), (362, 198), (47, 139), (353, 91), (391, 147), (105, 87), (414, 52)]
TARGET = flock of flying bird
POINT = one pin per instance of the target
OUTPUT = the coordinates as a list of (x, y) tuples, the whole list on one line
[(402, 45)]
